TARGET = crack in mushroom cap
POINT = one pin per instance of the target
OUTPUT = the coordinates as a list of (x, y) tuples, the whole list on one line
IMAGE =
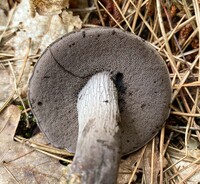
[(139, 73)]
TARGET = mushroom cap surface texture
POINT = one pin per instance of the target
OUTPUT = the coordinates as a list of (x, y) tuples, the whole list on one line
[(139, 73)]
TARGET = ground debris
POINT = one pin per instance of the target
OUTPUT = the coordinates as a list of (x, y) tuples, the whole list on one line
[(20, 163)]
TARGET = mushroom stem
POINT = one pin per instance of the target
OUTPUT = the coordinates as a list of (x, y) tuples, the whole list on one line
[(98, 148)]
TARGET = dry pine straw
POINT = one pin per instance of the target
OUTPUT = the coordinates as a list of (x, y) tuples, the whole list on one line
[(172, 27)]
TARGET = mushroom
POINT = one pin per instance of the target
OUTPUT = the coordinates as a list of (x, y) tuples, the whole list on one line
[(99, 93)]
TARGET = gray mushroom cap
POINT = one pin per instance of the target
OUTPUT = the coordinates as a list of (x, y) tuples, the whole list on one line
[(139, 73)]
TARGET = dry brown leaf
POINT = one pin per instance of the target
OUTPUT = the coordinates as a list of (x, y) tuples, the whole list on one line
[(19, 163), (6, 85), (4, 5), (48, 7), (193, 151), (70, 22), (156, 162), (124, 177), (42, 30), (127, 166), (193, 148), (35, 28), (192, 177), (3, 19), (3, 16)]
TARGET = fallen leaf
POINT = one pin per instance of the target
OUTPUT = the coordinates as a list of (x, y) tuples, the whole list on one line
[(9, 120), (4, 5), (127, 166), (46, 7), (147, 162), (70, 22), (6, 85), (191, 175), (193, 148), (34, 28), (3, 19), (20, 163), (42, 30), (193, 151)]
